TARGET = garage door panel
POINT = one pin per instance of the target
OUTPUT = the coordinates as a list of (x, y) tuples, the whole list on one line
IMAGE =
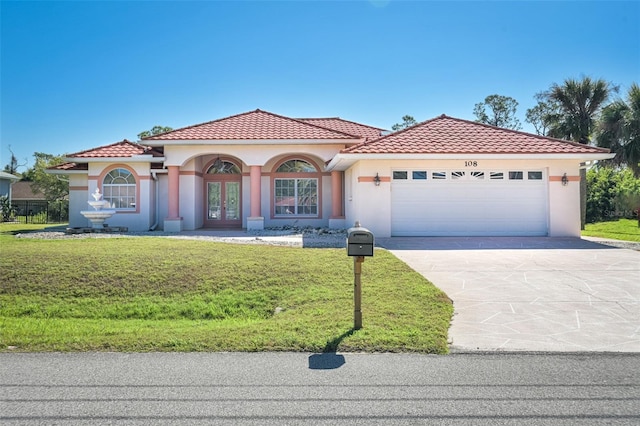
[(469, 208)]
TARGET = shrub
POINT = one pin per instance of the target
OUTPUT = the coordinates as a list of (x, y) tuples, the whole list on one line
[(612, 194), (6, 209)]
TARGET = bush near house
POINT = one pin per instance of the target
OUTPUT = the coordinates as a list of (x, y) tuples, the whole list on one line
[(162, 294), (612, 194)]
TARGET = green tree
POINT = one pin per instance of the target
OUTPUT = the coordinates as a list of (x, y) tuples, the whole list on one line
[(501, 112), (579, 103), (619, 130), (53, 187), (538, 116), (155, 130), (407, 121)]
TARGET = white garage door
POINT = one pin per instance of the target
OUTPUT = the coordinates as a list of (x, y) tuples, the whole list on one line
[(469, 203)]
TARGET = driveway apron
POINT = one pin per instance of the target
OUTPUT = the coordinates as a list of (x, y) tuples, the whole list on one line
[(532, 293)]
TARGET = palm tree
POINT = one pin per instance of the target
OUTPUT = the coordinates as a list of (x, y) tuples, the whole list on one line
[(619, 130), (579, 103)]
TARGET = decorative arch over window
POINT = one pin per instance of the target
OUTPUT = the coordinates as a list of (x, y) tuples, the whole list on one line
[(119, 188), (221, 167), (296, 189)]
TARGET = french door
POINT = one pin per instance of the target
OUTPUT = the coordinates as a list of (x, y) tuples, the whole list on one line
[(223, 204)]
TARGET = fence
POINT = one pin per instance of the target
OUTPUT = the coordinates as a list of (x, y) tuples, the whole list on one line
[(41, 211)]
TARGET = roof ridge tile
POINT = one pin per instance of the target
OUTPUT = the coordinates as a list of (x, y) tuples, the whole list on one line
[(253, 125), (430, 136)]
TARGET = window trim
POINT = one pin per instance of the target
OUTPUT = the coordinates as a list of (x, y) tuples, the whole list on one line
[(296, 197), (317, 175), (109, 169)]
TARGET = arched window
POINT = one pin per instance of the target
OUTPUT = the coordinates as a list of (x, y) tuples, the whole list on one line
[(223, 167), (119, 189), (296, 166), (294, 193)]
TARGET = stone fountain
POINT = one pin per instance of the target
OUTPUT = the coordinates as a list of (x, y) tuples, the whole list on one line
[(100, 212)]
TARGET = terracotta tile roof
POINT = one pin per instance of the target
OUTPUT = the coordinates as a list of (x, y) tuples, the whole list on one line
[(448, 135), (253, 125), (70, 167), (122, 149), (346, 126)]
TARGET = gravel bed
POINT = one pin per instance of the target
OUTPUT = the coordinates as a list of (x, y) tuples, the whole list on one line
[(283, 236), (287, 236)]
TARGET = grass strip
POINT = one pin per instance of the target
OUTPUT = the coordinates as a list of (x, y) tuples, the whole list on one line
[(622, 229)]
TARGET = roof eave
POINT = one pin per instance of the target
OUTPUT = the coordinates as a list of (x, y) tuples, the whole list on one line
[(344, 160), (65, 172), (132, 159), (13, 179), (180, 142)]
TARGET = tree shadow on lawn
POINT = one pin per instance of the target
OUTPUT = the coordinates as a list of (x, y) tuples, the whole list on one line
[(329, 359)]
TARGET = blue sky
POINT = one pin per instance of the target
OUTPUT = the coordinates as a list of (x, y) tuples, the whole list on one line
[(81, 74)]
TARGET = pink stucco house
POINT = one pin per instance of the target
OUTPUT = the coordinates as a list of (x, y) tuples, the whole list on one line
[(441, 177)]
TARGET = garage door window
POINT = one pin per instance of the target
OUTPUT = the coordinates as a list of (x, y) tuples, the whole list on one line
[(466, 175), (534, 175), (515, 175)]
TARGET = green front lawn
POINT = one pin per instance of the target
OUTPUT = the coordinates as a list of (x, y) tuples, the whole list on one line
[(160, 294), (622, 229)]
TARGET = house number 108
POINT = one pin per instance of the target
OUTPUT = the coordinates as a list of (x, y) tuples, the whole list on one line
[(471, 164)]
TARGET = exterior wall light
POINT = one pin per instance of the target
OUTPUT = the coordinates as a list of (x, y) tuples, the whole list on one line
[(565, 180), (376, 180)]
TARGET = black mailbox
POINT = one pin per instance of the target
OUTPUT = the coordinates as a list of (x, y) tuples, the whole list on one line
[(360, 242)]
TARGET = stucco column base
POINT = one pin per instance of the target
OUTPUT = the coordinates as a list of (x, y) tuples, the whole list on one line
[(337, 222), (173, 225), (255, 223)]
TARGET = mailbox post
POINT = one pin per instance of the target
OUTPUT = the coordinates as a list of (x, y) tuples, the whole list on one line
[(360, 242)]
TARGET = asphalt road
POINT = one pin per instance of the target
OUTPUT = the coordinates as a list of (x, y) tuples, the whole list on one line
[(296, 388)]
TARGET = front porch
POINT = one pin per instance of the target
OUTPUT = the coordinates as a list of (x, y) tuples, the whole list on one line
[(222, 191)]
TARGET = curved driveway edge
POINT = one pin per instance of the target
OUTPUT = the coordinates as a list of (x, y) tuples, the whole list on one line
[(532, 293)]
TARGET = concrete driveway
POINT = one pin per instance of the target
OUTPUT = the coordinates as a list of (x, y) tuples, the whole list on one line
[(532, 294)]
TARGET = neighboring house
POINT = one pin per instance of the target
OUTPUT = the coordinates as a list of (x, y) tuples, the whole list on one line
[(26, 201), (445, 176), (6, 183), (22, 191)]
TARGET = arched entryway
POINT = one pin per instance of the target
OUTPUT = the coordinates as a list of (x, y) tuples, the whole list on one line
[(223, 195)]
